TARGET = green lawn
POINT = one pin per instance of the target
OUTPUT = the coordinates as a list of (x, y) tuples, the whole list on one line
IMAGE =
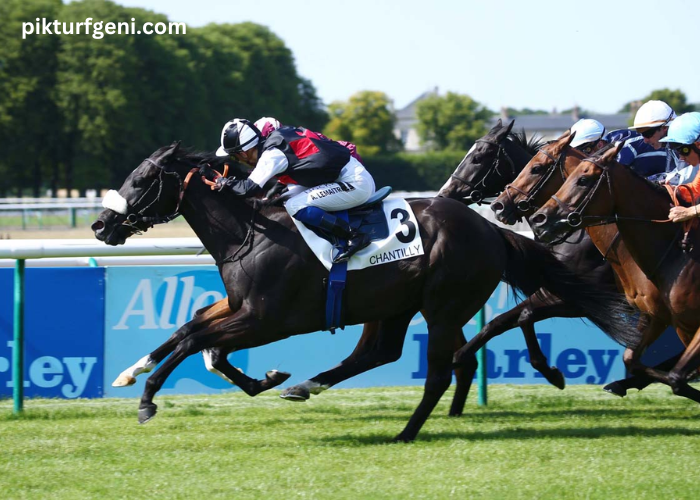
[(530, 442)]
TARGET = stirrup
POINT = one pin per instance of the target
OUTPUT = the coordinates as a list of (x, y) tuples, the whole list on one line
[(345, 255)]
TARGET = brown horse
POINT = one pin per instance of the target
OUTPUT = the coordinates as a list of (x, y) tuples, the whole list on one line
[(538, 181), (601, 191), (274, 282)]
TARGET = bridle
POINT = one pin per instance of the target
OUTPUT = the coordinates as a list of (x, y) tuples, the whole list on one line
[(135, 213), (557, 163), (477, 195)]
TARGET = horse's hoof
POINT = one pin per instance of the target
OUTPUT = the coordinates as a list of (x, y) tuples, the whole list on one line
[(296, 393), (616, 389), (556, 378), (276, 377), (124, 381), (454, 414), (147, 413)]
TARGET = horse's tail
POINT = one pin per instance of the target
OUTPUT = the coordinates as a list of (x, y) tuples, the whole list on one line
[(531, 266)]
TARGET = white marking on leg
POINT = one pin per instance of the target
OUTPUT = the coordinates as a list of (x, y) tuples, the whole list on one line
[(206, 354), (128, 376)]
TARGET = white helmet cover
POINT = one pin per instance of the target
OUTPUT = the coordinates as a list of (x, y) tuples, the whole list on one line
[(653, 114), (587, 130)]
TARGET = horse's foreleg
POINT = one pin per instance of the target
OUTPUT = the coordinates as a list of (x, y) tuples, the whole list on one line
[(201, 319), (649, 329), (685, 369), (381, 343), (524, 315)]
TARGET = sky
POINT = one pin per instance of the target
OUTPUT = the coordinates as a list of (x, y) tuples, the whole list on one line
[(536, 54)]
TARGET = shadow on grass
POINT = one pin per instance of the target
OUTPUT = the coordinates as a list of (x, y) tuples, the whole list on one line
[(517, 434)]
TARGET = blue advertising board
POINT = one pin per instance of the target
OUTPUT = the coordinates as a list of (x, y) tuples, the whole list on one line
[(64, 332), (145, 305)]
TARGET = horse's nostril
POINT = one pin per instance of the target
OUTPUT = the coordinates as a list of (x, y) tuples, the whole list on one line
[(538, 219), (98, 226), (497, 207)]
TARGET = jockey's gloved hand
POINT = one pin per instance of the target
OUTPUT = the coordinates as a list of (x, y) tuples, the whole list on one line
[(206, 171), (239, 187), (275, 190)]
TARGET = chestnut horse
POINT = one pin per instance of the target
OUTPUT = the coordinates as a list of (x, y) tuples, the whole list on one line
[(601, 191), (274, 282), (537, 182)]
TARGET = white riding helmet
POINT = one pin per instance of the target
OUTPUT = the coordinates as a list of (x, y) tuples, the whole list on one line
[(587, 130), (238, 135), (653, 114)]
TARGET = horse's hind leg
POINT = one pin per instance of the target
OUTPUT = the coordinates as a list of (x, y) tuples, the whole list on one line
[(440, 350), (201, 319), (251, 386), (464, 375), (381, 343)]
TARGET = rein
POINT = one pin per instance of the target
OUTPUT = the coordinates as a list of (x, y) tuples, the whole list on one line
[(136, 216)]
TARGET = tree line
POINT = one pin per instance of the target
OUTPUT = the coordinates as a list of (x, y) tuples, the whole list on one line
[(81, 113)]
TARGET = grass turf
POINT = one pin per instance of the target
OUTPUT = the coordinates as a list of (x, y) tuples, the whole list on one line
[(529, 442)]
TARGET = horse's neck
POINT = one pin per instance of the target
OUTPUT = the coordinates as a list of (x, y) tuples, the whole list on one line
[(572, 159), (221, 225), (647, 242)]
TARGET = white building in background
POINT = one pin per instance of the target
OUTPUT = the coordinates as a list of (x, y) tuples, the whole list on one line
[(548, 126)]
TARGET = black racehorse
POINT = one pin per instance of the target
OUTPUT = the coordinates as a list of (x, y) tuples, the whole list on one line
[(274, 282), (496, 161)]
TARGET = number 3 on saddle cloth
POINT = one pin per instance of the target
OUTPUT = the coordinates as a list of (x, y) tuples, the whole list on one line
[(393, 229)]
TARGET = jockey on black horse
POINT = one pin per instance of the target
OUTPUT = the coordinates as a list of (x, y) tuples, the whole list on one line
[(322, 175)]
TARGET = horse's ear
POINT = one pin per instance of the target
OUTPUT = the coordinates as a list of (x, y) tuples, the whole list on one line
[(169, 153), (504, 131), (612, 153), (497, 127), (570, 139)]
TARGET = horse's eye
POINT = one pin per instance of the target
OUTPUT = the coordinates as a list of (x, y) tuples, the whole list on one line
[(584, 181), (537, 169)]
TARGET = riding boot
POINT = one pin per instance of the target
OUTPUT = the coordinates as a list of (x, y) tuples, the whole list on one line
[(338, 227)]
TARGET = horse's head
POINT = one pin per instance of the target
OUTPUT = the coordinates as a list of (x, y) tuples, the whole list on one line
[(485, 169), (586, 198), (150, 195), (538, 180)]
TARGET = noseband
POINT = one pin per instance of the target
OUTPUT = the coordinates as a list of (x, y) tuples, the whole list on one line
[(525, 205), (477, 195)]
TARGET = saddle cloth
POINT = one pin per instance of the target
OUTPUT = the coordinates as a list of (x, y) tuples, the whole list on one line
[(402, 241)]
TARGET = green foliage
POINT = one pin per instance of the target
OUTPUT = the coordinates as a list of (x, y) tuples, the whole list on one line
[(529, 442), (674, 98), (28, 115), (414, 172), (453, 121), (89, 110), (367, 120)]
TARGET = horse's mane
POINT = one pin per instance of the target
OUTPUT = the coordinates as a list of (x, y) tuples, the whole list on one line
[(531, 145)]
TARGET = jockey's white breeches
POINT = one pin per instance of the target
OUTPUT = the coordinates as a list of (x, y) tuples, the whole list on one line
[(353, 187)]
